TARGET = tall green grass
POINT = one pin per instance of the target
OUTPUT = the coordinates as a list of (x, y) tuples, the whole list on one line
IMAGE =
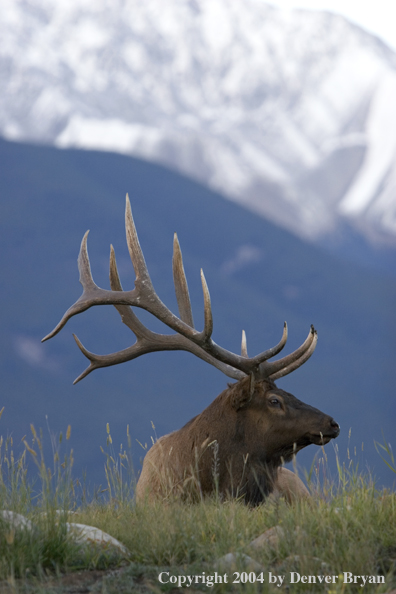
[(349, 525), (44, 500)]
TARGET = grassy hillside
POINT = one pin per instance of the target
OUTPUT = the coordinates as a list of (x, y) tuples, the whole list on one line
[(346, 529), (258, 276)]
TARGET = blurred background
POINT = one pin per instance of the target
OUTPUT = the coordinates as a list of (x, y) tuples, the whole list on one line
[(265, 135)]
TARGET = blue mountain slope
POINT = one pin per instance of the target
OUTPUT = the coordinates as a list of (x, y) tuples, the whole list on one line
[(258, 276)]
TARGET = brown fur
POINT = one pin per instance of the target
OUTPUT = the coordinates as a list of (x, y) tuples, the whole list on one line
[(289, 486), (236, 447)]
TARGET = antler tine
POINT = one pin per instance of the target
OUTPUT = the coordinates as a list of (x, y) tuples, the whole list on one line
[(88, 285), (262, 357), (84, 266), (90, 356), (300, 361), (244, 352), (274, 368), (135, 251), (181, 287), (128, 317), (140, 347), (114, 277), (208, 327)]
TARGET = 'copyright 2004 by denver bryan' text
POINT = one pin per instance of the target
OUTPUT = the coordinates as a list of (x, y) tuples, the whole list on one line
[(293, 577)]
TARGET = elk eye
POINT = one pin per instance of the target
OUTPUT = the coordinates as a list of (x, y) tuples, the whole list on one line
[(274, 401)]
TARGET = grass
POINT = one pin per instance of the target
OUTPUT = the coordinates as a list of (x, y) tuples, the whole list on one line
[(348, 526)]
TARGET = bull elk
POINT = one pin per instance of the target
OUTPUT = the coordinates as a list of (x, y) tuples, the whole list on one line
[(238, 444)]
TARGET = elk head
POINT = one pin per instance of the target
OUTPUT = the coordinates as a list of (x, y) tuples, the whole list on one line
[(251, 420)]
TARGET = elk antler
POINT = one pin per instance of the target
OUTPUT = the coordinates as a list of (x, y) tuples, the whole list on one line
[(187, 337)]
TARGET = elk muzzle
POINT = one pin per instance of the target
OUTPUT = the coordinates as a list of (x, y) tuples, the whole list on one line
[(331, 430)]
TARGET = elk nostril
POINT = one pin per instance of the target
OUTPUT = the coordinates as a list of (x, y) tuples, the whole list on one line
[(334, 425)]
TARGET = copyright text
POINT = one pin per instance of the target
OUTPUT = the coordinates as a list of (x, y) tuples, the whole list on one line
[(293, 577)]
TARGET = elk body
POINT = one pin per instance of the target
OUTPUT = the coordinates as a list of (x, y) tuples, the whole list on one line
[(237, 445)]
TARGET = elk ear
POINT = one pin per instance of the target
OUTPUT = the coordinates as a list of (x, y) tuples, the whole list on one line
[(242, 392)]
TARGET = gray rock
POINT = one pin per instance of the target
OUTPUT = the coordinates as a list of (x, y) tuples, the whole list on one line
[(82, 534), (15, 520), (94, 536)]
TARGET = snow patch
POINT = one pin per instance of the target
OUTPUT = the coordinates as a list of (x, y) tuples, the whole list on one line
[(108, 135), (381, 151)]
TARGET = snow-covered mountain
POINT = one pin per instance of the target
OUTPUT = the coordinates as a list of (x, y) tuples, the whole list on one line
[(290, 113)]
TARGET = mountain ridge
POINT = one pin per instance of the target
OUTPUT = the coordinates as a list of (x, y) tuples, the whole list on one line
[(288, 113)]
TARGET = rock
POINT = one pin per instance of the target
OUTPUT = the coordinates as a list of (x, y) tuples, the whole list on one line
[(233, 560), (270, 538), (16, 520), (95, 536), (81, 533)]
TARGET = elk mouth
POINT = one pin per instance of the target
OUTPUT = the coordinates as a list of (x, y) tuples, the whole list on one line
[(319, 439), (324, 438)]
